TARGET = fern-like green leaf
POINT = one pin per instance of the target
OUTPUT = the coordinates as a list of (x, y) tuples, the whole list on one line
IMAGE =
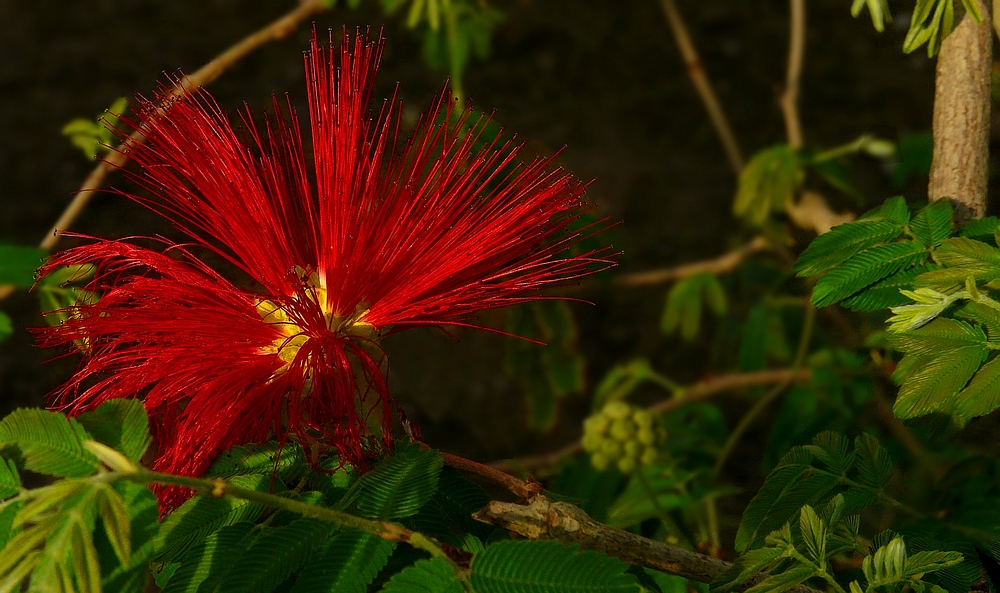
[(50, 443), (748, 566), (977, 259), (121, 424), (933, 388), (933, 224), (143, 513), (873, 462), (10, 481), (866, 268), (939, 336), (398, 486), (834, 450), (783, 581), (201, 516), (433, 575), (289, 461), (347, 563), (886, 293), (988, 317), (843, 242), (879, 10), (212, 556), (894, 210), (549, 567), (982, 395), (274, 556), (793, 483), (981, 229)]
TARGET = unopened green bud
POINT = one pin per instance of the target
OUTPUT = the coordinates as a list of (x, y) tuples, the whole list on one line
[(599, 461), (644, 418), (633, 449), (591, 441), (611, 448), (649, 456), (623, 429), (598, 423), (647, 436), (626, 465), (617, 410)]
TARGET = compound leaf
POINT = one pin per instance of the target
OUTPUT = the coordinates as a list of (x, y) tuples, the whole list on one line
[(933, 388), (121, 424), (347, 563), (550, 567), (433, 575), (274, 556), (933, 224), (982, 395), (51, 443), (865, 269), (843, 242), (398, 486)]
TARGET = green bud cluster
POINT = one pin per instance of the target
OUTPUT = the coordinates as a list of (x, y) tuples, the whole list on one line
[(622, 434)]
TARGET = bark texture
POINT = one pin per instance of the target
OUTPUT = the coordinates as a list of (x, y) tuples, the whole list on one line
[(962, 117)]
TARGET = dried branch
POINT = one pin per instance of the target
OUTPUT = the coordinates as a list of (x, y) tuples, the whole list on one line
[(696, 71), (720, 265), (117, 158), (961, 123), (544, 519), (698, 392)]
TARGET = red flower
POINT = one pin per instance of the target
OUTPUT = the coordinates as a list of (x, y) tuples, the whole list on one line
[(370, 243)]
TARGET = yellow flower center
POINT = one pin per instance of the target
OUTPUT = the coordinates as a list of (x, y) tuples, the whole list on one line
[(293, 336)]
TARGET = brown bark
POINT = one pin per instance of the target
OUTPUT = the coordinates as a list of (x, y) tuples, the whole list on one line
[(962, 117)]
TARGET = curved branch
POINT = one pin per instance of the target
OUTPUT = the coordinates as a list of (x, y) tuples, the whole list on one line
[(720, 265)]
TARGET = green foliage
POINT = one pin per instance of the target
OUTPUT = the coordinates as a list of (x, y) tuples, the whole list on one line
[(878, 9), (200, 516), (273, 556), (684, 304), (95, 137), (18, 264), (547, 373), (932, 21), (47, 442), (121, 424), (870, 263), (398, 486), (890, 568), (425, 576), (813, 475), (767, 183), (6, 326), (549, 567), (346, 563)]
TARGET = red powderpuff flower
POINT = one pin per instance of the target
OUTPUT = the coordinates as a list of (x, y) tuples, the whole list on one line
[(370, 242)]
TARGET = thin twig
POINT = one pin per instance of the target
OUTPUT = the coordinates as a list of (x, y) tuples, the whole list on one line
[(700, 391), (117, 158), (720, 265), (523, 489), (696, 71), (796, 56)]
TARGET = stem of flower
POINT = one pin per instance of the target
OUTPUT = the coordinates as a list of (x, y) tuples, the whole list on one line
[(220, 488)]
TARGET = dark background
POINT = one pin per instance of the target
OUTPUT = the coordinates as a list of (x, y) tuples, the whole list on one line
[(603, 78)]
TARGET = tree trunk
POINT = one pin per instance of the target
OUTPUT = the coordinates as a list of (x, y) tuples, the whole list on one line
[(962, 117)]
